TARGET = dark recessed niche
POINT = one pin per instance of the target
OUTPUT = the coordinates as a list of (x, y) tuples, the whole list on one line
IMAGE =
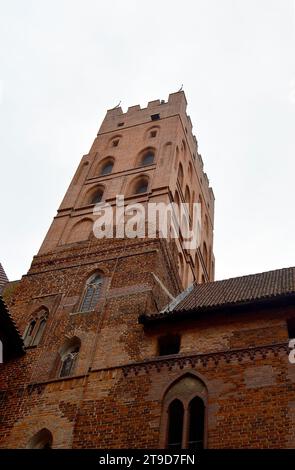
[(155, 117), (169, 344), (291, 327)]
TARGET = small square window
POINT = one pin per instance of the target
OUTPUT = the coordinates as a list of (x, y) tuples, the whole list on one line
[(120, 124), (155, 117), (115, 143), (169, 344), (153, 134)]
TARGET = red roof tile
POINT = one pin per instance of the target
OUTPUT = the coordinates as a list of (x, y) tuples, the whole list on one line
[(233, 291)]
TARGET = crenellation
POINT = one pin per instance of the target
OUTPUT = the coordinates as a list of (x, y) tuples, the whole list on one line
[(133, 109), (176, 104), (154, 104)]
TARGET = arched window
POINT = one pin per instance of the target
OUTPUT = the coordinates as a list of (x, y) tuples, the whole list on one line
[(39, 333), (91, 293), (97, 196), (68, 363), (69, 355), (148, 158), (140, 185), (35, 329), (183, 422), (28, 336), (107, 168), (41, 440), (196, 414), (175, 427)]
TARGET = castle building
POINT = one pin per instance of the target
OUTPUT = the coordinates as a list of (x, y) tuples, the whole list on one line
[(129, 342)]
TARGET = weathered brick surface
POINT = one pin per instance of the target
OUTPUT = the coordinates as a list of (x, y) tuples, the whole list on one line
[(115, 397), (118, 403)]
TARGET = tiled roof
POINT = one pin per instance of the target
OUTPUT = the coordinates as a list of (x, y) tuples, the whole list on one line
[(229, 292), (3, 277)]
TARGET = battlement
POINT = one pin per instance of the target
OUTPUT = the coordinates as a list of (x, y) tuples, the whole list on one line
[(157, 109), (116, 120)]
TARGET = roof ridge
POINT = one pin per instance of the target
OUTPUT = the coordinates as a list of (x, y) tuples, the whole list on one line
[(248, 275)]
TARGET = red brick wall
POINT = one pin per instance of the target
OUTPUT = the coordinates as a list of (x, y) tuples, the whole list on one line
[(115, 396), (118, 403)]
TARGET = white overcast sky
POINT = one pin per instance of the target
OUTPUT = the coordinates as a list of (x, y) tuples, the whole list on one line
[(63, 63)]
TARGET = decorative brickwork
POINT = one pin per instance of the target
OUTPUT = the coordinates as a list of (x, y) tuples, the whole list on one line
[(117, 390)]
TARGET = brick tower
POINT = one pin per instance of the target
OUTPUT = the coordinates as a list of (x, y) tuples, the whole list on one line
[(153, 146), (78, 306)]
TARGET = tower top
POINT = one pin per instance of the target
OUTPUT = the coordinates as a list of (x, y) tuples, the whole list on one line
[(155, 110)]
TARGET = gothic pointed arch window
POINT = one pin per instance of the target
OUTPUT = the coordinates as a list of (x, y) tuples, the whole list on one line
[(35, 328), (183, 424), (196, 415), (28, 335), (175, 427), (91, 293), (39, 333), (69, 356)]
